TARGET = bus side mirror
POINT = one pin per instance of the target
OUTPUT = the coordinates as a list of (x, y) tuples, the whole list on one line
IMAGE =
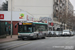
[(15, 25)]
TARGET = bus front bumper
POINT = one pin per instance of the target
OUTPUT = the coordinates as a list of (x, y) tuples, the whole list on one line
[(23, 36)]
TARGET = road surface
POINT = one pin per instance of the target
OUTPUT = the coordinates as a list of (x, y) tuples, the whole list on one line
[(50, 43)]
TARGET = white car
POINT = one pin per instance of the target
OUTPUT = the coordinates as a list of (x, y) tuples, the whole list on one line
[(58, 33), (66, 32), (72, 33), (51, 33)]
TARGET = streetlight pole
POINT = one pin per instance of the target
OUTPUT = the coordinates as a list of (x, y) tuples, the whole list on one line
[(11, 18), (48, 23)]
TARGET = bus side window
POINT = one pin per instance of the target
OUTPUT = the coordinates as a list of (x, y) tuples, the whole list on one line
[(33, 29)]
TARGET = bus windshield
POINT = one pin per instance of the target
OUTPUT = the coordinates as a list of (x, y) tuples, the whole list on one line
[(25, 28)]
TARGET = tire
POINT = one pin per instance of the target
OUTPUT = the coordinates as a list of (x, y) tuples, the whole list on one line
[(22, 38), (37, 37), (49, 34), (43, 37)]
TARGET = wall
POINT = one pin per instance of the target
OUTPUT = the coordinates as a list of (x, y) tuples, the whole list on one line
[(14, 30), (38, 8)]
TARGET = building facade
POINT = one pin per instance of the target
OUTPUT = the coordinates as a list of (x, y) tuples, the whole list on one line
[(38, 8), (55, 9), (17, 16), (69, 8), (63, 9), (61, 6)]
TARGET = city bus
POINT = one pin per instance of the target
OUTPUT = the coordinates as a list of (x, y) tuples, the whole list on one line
[(32, 30)]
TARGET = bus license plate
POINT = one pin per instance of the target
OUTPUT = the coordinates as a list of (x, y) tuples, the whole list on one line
[(25, 37)]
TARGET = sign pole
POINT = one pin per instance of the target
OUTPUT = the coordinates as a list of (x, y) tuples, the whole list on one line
[(52, 29), (48, 24), (11, 18), (52, 26)]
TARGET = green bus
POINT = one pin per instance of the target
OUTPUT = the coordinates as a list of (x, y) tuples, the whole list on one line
[(32, 30)]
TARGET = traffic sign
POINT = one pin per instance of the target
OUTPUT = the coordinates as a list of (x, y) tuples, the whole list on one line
[(51, 24)]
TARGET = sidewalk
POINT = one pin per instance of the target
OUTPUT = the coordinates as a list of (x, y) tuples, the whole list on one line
[(8, 38)]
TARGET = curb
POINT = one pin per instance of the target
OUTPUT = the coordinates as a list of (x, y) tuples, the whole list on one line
[(7, 41)]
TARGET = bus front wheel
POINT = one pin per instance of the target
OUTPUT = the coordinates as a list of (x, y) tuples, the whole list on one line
[(22, 38)]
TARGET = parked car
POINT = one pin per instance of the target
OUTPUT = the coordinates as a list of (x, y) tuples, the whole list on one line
[(66, 32), (58, 33), (72, 33), (51, 33)]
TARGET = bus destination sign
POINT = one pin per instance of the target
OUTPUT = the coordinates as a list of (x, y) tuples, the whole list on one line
[(27, 23)]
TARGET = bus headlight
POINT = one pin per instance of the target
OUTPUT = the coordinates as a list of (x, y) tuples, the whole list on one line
[(32, 34), (18, 33)]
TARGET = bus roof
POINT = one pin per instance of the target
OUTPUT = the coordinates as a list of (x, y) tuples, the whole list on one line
[(34, 22), (39, 23)]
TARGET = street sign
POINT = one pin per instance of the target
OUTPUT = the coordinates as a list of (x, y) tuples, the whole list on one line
[(52, 24)]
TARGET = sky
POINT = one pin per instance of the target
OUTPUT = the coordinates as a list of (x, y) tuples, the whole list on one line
[(1, 1), (72, 1)]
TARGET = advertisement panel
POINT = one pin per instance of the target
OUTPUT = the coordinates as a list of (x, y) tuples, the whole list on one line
[(21, 16), (1, 16), (16, 16)]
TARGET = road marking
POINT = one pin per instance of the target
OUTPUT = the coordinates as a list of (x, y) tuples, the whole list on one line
[(64, 47), (16, 46), (6, 44), (9, 43), (69, 47)]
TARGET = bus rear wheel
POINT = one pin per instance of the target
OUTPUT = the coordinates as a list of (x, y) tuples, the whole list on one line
[(43, 37)]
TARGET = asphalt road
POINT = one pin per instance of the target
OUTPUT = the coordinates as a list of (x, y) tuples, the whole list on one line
[(50, 43)]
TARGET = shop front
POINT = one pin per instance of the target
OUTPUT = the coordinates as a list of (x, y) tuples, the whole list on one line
[(5, 16)]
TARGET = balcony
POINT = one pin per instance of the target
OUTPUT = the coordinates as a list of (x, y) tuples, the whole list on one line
[(61, 5), (63, 2), (56, 0), (57, 8)]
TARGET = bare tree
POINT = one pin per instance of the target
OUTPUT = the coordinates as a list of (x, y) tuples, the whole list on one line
[(5, 6)]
